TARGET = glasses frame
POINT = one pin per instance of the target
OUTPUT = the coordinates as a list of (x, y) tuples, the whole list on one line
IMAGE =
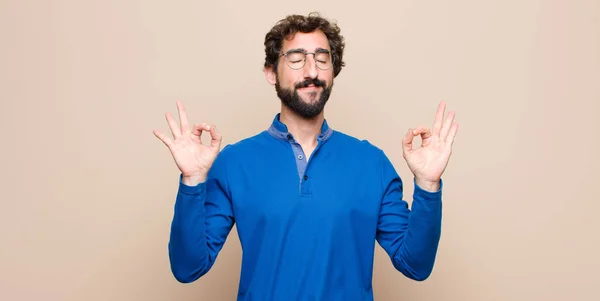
[(306, 53)]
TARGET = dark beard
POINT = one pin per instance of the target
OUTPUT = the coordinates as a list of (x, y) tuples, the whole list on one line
[(292, 100)]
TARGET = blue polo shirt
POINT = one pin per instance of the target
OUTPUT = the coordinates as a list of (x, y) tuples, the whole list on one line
[(307, 228)]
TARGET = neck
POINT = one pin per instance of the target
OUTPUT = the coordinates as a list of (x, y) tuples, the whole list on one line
[(305, 131)]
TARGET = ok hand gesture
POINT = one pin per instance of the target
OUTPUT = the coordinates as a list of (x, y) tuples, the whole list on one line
[(193, 158), (428, 162)]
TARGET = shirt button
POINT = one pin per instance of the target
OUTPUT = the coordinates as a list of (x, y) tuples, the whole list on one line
[(300, 157), (305, 178)]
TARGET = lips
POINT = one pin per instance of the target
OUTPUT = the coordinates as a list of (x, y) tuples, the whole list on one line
[(309, 89)]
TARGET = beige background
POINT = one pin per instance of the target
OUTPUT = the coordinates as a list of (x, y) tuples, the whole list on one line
[(87, 191)]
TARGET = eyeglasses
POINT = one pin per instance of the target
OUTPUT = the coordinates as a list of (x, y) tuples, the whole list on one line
[(296, 58)]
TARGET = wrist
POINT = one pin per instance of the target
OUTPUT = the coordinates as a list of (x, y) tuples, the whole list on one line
[(428, 185), (193, 180)]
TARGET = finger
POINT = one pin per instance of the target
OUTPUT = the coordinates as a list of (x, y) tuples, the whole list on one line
[(447, 126), (183, 117), (215, 137), (439, 118), (407, 142), (173, 125), (199, 127), (452, 134), (422, 131), (166, 140)]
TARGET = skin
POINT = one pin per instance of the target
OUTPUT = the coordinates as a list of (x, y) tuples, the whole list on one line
[(428, 162), (194, 159)]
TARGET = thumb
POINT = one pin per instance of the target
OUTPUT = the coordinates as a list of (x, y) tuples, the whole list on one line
[(215, 137), (407, 144)]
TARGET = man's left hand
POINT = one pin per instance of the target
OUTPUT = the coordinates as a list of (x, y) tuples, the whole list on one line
[(429, 162)]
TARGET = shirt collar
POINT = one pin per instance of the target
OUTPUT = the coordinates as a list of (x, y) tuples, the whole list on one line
[(280, 131)]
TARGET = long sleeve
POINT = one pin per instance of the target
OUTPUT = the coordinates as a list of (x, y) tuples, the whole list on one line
[(409, 236), (202, 220)]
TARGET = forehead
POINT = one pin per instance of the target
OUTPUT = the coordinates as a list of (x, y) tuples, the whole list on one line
[(308, 41)]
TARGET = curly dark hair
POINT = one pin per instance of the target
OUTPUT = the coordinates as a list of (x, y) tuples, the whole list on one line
[(286, 29)]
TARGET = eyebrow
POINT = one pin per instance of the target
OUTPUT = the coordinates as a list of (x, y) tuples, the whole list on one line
[(319, 49)]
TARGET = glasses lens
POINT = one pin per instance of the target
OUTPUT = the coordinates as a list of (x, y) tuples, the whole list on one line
[(323, 60), (295, 59)]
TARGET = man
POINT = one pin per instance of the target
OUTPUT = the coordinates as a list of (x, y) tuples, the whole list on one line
[(309, 202)]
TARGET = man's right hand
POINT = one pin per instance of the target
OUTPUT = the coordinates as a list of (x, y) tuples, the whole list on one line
[(193, 158)]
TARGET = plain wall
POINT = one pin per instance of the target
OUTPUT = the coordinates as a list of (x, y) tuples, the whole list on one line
[(88, 192)]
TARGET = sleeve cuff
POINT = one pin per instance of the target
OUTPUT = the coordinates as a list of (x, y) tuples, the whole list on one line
[(192, 190)]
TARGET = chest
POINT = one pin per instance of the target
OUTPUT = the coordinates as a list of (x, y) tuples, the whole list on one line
[(330, 191)]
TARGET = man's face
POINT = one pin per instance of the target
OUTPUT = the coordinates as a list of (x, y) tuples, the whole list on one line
[(306, 90)]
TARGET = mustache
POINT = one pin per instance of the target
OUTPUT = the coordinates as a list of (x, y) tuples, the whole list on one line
[(309, 81)]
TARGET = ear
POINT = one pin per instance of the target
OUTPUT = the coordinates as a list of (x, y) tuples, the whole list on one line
[(270, 75)]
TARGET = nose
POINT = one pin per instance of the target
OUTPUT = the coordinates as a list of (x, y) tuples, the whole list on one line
[(310, 67)]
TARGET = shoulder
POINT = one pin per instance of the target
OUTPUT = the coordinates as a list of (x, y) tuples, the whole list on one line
[(356, 146), (365, 156), (245, 146), (231, 154)]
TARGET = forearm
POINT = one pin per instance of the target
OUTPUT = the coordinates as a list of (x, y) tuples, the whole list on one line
[(416, 255), (188, 250)]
